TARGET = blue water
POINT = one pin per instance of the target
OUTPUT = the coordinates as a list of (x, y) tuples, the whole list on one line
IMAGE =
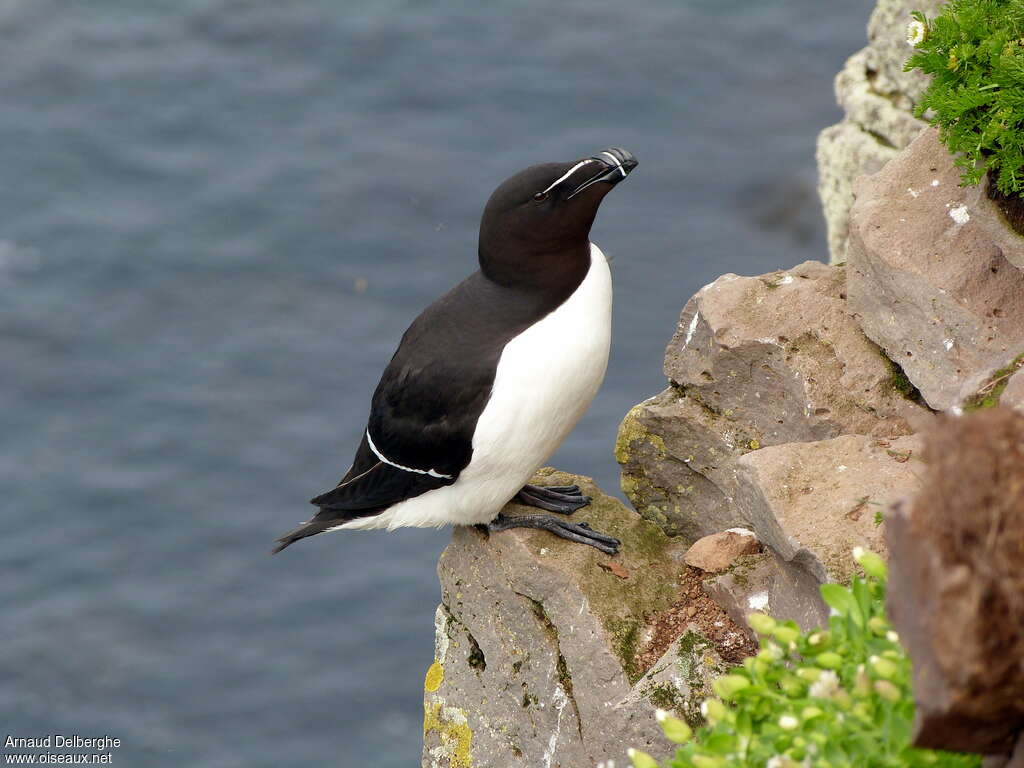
[(216, 219)]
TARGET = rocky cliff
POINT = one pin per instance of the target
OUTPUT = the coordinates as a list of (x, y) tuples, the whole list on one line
[(877, 97), (792, 419)]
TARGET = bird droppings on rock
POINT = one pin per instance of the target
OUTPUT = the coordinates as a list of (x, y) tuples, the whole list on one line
[(928, 291), (960, 215)]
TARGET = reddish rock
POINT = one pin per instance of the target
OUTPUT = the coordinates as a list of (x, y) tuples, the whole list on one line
[(956, 588), (781, 355), (812, 503), (754, 362), (717, 552), (934, 274)]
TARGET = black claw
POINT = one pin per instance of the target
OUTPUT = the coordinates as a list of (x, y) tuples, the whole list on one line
[(578, 532), (564, 499), (570, 489)]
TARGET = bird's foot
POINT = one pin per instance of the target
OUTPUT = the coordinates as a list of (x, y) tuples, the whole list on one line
[(578, 532), (564, 499)]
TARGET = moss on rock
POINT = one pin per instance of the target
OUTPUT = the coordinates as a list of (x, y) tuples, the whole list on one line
[(622, 605), (631, 431), (988, 395)]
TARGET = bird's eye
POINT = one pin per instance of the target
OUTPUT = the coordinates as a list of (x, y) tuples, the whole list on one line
[(540, 197)]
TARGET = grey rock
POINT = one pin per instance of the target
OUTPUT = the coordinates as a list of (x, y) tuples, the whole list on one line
[(884, 116), (877, 97), (768, 584), (812, 503), (844, 151), (925, 279), (888, 50), (681, 679), (677, 464), (536, 643)]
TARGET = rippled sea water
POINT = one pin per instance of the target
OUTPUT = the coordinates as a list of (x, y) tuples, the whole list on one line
[(216, 219)]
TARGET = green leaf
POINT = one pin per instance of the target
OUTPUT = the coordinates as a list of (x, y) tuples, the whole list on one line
[(862, 595), (744, 724), (839, 598)]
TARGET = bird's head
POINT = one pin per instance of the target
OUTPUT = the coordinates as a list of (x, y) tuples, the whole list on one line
[(544, 211)]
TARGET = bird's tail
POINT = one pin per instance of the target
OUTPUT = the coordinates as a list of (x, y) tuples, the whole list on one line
[(309, 528)]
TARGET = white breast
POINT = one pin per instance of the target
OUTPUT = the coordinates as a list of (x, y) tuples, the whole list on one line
[(545, 380)]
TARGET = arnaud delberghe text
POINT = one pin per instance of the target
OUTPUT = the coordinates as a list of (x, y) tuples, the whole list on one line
[(60, 741)]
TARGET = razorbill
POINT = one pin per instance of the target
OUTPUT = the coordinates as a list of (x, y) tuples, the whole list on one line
[(491, 377)]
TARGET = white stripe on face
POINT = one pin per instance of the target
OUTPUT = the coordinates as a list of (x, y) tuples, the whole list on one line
[(616, 161), (566, 175)]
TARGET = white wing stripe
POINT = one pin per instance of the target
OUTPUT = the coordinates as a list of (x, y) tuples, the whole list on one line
[(388, 461)]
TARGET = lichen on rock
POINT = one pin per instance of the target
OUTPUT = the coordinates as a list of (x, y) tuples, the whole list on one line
[(877, 97), (537, 644)]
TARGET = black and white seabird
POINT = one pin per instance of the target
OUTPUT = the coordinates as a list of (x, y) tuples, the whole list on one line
[(490, 379)]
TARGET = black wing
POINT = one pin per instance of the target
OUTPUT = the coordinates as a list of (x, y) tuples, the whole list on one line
[(367, 489), (428, 401), (372, 485)]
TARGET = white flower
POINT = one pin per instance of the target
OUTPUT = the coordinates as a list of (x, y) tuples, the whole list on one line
[(826, 686), (916, 32), (788, 723), (892, 637)]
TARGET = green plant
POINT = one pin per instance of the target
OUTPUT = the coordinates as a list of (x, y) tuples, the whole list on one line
[(974, 49), (825, 698)]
